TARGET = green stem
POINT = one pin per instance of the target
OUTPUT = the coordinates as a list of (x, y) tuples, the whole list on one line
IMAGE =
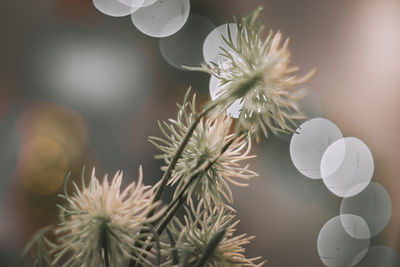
[(104, 243), (106, 257), (203, 168), (168, 217), (178, 201), (210, 248), (181, 197), (167, 174), (178, 153)]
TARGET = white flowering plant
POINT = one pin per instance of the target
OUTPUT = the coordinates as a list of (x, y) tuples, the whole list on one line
[(205, 153)]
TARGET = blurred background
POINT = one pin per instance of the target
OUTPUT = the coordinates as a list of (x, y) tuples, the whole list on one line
[(78, 88)]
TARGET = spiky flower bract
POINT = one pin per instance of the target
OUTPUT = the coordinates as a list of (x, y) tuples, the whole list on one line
[(201, 225), (100, 224), (205, 144), (257, 71), (39, 245)]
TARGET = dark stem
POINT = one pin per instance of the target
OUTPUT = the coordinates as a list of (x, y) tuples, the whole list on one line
[(177, 155), (106, 257), (170, 215), (203, 168), (104, 243), (181, 197), (210, 248), (174, 251), (167, 174)]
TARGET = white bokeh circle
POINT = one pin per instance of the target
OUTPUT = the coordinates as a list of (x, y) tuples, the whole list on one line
[(137, 3), (214, 41), (113, 8), (309, 143), (377, 256), (355, 226), (163, 18), (185, 48), (214, 87), (372, 204), (236, 107), (347, 163), (336, 247)]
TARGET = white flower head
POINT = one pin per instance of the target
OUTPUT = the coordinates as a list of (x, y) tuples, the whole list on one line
[(205, 144), (201, 225), (101, 222), (257, 71)]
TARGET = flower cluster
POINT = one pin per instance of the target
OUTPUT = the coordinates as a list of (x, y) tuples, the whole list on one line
[(204, 153), (101, 224), (257, 72), (205, 145), (201, 225)]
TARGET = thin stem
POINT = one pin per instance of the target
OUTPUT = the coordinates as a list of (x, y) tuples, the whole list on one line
[(181, 197), (106, 257), (174, 251), (170, 214), (203, 168), (178, 153), (104, 243), (165, 221), (182, 192), (167, 174), (210, 248)]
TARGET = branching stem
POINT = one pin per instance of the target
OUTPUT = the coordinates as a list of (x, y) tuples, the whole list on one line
[(167, 174), (181, 197), (178, 153)]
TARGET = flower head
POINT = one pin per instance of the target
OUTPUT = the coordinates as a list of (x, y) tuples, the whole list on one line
[(206, 144), (100, 222), (200, 226), (257, 72)]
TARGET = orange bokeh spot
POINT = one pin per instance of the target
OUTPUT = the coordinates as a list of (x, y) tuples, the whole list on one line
[(42, 165), (53, 141)]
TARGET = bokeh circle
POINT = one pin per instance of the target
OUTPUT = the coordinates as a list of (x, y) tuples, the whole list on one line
[(309, 143), (347, 163)]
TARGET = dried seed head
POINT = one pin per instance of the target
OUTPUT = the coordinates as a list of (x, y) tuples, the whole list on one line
[(201, 225), (257, 71), (205, 145), (100, 220)]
